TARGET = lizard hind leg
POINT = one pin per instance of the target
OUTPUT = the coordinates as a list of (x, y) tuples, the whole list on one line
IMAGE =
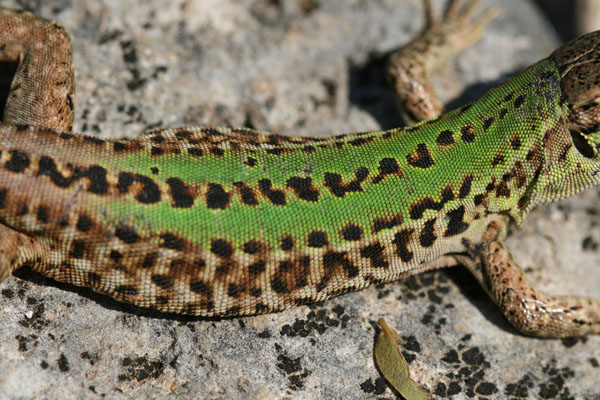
[(15, 249), (526, 308), (41, 93)]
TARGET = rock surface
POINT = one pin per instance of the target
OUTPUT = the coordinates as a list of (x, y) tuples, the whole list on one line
[(304, 67)]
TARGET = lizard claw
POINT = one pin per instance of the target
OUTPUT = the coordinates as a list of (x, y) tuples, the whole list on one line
[(457, 25)]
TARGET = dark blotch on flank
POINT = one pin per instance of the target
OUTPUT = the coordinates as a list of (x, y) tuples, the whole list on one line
[(216, 197), (456, 224), (257, 268), (304, 188), (180, 194), (498, 160), (94, 279), (149, 260), (317, 239), (251, 162), (98, 182), (156, 151), (374, 252), (502, 190), (217, 151), (520, 100), (201, 288), (47, 167), (127, 234), (487, 123), (150, 192), (421, 158), (427, 236), (417, 209), (125, 180), (445, 138), (18, 162), (276, 196), (515, 142), (467, 133), (119, 146), (251, 247), (126, 290), (465, 186), (246, 193), (352, 232), (333, 181), (286, 243), (387, 166), (162, 281), (360, 141), (221, 248), (42, 214), (401, 241), (331, 259), (3, 193), (503, 112), (115, 255), (382, 223), (195, 151), (171, 241), (183, 134), (77, 249)]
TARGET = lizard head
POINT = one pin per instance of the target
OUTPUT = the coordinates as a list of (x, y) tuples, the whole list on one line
[(578, 63)]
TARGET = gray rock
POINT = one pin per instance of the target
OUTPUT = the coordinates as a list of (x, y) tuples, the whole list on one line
[(303, 67)]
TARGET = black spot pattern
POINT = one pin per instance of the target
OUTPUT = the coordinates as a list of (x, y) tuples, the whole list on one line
[(402, 241), (427, 236), (420, 158), (467, 133), (487, 123), (387, 166), (456, 224), (417, 210), (221, 248), (180, 193), (246, 193), (317, 239), (352, 232), (127, 234), (445, 138), (465, 186), (275, 196), (374, 253), (18, 162), (303, 188), (171, 241), (217, 197), (333, 181), (382, 223), (251, 247)]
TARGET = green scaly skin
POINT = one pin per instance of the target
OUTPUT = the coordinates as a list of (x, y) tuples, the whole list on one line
[(231, 222)]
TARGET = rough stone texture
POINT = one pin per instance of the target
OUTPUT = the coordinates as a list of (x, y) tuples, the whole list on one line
[(298, 66)]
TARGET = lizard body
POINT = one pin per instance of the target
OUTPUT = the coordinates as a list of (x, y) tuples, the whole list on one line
[(230, 222)]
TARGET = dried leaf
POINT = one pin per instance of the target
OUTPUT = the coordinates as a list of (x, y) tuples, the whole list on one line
[(393, 366)]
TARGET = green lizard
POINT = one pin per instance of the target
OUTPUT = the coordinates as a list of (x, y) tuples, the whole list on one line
[(232, 222)]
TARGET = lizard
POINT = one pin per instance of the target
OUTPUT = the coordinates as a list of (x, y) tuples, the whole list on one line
[(229, 222)]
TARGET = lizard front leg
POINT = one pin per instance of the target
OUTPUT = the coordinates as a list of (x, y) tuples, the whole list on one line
[(526, 308), (410, 67)]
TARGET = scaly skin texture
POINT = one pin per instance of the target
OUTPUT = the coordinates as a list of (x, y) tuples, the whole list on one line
[(231, 222)]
